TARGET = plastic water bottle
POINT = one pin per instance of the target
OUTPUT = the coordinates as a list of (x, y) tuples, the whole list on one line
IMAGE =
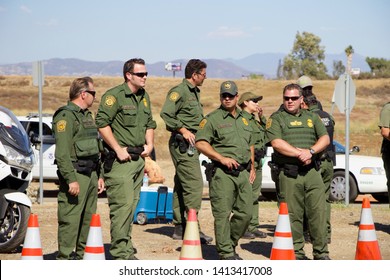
[(145, 181), (191, 150)]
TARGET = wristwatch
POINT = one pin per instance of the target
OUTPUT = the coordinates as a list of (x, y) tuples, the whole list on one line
[(312, 151)]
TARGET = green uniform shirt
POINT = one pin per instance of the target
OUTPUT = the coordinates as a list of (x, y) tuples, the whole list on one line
[(384, 121), (301, 130), (259, 136), (67, 124), (229, 136), (182, 107), (128, 114)]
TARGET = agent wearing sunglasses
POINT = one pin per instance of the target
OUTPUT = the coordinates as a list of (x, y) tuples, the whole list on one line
[(126, 124), (182, 113), (77, 155), (226, 137), (297, 137)]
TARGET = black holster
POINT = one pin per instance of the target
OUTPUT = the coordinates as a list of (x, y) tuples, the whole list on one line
[(236, 171), (210, 170), (180, 142), (275, 170), (259, 154), (108, 158), (85, 166)]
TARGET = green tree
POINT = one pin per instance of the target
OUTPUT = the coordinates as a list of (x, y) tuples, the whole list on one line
[(380, 67), (306, 58), (338, 68), (349, 51)]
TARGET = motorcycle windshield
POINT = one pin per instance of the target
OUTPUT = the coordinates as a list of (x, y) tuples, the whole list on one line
[(12, 133)]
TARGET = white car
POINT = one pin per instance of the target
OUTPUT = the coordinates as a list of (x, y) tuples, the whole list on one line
[(366, 175), (31, 125)]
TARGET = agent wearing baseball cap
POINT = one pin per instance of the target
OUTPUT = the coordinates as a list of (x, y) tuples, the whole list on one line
[(248, 102), (226, 138)]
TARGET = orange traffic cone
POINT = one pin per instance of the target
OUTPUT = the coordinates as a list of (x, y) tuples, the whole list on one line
[(32, 248), (94, 249), (282, 247), (191, 249), (367, 245)]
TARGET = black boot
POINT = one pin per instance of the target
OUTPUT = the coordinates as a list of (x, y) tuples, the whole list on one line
[(205, 239), (178, 232)]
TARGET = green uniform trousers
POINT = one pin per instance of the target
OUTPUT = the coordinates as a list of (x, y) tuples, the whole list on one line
[(327, 177), (305, 194), (231, 205), (74, 216), (188, 188), (256, 189), (123, 185)]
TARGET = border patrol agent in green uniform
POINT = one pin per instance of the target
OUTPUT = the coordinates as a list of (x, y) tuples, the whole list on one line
[(327, 157), (77, 156), (297, 135), (384, 124), (182, 113), (248, 103), (225, 136), (126, 125)]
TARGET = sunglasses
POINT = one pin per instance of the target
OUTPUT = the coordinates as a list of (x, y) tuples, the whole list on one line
[(91, 92), (227, 95), (140, 74), (293, 98)]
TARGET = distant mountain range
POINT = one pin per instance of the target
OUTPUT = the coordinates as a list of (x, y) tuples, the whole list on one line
[(260, 63)]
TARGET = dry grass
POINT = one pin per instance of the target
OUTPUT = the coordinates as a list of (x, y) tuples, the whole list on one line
[(18, 94)]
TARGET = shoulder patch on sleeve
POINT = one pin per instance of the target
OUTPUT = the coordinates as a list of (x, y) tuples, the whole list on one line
[(110, 101), (174, 96), (61, 126), (202, 124), (269, 123)]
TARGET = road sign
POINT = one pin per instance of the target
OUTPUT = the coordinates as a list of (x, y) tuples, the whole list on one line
[(344, 89)]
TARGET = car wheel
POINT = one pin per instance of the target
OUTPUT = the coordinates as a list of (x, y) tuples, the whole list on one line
[(142, 219), (337, 187)]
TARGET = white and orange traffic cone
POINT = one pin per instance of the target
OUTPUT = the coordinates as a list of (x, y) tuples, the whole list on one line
[(191, 248), (32, 248), (367, 247), (94, 249), (282, 247)]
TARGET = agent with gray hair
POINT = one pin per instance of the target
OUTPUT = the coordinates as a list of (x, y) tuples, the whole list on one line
[(77, 157)]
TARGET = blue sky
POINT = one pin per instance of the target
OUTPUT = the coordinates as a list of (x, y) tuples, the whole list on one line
[(165, 30)]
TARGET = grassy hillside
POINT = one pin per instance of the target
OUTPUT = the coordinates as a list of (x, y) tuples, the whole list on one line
[(18, 94)]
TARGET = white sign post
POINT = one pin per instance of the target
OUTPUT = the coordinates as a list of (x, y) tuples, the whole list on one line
[(38, 80), (344, 97)]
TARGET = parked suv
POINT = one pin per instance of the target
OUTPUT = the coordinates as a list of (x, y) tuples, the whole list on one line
[(31, 125)]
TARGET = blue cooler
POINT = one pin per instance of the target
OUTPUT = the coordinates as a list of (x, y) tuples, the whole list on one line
[(155, 203)]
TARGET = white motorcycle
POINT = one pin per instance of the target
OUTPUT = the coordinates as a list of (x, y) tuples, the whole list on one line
[(16, 162)]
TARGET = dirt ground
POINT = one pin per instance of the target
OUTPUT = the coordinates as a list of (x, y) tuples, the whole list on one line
[(153, 240)]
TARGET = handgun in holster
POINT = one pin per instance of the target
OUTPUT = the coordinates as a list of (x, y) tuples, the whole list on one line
[(210, 170), (259, 154), (275, 170), (181, 143), (108, 158)]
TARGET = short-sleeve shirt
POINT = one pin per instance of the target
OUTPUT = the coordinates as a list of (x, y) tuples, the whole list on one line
[(129, 115), (230, 136)]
